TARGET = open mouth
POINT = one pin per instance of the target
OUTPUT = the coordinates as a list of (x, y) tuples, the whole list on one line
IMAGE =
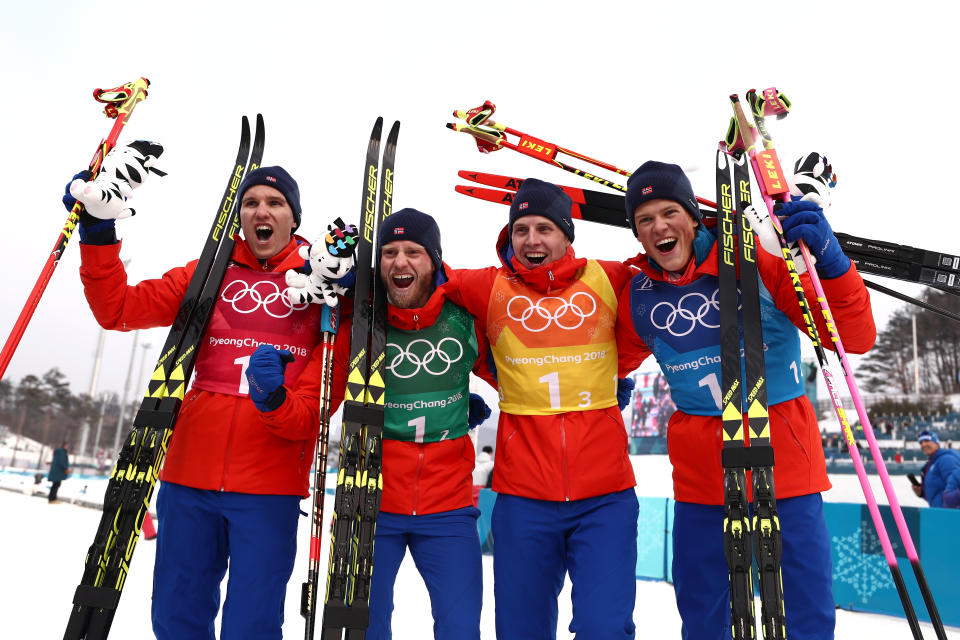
[(536, 257), (667, 245), (402, 281), (264, 232)]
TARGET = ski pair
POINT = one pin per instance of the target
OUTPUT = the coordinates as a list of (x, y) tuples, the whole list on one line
[(135, 474), (773, 187), (923, 266), (359, 483), (887, 259), (933, 269), (743, 536)]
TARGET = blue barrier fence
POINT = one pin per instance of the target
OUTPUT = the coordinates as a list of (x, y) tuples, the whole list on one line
[(861, 578)]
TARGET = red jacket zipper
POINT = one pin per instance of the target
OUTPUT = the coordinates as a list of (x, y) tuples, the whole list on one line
[(563, 458), (416, 479)]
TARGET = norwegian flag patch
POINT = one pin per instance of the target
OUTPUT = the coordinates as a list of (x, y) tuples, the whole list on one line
[(398, 231), (523, 205), (646, 191), (270, 179)]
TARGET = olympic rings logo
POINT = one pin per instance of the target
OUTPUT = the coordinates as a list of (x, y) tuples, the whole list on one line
[(446, 352), (265, 294), (683, 314), (568, 315)]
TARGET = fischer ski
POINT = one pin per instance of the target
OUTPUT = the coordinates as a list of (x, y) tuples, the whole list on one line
[(735, 454), (359, 483), (581, 196), (120, 102), (134, 477)]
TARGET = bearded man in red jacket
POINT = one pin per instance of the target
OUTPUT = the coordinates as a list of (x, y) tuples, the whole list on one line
[(235, 470)]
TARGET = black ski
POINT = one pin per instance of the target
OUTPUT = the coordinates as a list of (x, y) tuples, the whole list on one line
[(767, 536), (371, 485), (138, 465), (907, 271), (899, 253), (736, 517), (359, 484)]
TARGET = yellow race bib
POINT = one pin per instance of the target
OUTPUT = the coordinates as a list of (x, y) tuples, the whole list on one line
[(555, 352)]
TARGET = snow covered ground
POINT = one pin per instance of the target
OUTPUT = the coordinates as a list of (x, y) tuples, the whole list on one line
[(43, 546)]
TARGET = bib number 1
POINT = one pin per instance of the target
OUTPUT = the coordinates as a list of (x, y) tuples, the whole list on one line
[(552, 380)]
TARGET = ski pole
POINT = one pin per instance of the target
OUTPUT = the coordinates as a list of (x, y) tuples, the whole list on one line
[(492, 136), (120, 102), (758, 103), (308, 595), (772, 183), (920, 303), (528, 144)]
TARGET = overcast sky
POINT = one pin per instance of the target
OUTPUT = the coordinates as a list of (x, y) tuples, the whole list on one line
[(625, 82)]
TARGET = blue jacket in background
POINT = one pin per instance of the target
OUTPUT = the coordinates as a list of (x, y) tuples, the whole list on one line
[(951, 495), (942, 468), (59, 466)]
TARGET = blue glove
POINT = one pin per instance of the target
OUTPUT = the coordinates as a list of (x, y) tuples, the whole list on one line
[(805, 221), (265, 375), (92, 230), (68, 199), (624, 391), (478, 412)]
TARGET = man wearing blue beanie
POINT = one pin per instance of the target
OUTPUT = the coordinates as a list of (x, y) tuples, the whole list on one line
[(240, 455), (564, 483), (670, 310), (940, 482), (428, 454)]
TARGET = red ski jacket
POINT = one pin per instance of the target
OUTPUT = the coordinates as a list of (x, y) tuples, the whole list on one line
[(220, 441), (694, 442), (420, 478), (558, 456)]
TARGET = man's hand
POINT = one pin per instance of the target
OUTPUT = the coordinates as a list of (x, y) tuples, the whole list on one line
[(265, 376)]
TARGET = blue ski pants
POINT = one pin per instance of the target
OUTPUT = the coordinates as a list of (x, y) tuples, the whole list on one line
[(198, 532), (536, 542), (446, 550), (701, 579)]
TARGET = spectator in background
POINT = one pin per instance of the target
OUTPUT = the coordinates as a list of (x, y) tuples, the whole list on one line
[(482, 471), (941, 474), (59, 470)]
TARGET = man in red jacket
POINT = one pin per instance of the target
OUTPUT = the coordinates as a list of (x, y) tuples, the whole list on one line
[(235, 470), (563, 476), (670, 310), (428, 455)]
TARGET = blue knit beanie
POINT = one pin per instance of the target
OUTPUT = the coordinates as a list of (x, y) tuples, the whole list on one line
[(654, 180), (280, 180), (539, 198), (923, 436), (415, 226)]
